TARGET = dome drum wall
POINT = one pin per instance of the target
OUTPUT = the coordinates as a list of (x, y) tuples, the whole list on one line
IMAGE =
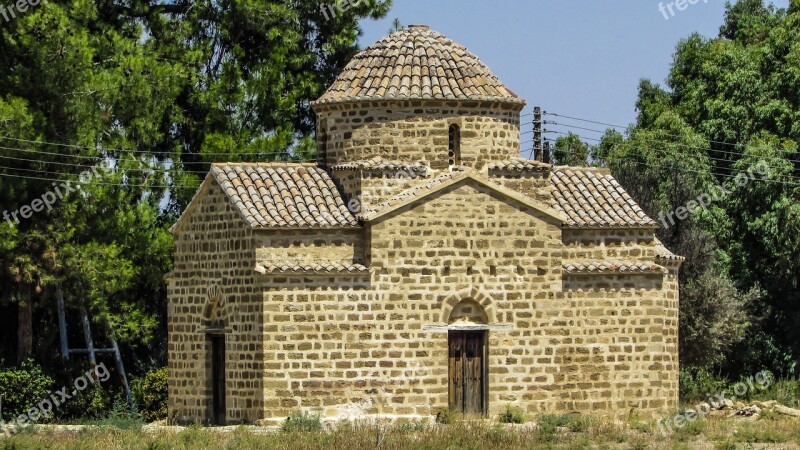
[(410, 131)]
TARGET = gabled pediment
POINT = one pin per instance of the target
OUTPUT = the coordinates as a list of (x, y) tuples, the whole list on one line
[(422, 193)]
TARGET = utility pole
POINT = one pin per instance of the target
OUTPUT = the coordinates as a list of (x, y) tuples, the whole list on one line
[(537, 133)]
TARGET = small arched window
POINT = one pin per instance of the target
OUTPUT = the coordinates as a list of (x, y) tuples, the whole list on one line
[(454, 145)]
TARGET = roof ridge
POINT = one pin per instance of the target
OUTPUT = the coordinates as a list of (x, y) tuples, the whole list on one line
[(604, 170), (266, 164)]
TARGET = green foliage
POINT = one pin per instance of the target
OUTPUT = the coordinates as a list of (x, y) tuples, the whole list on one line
[(547, 426), (732, 106), (157, 91), (150, 394), (22, 388), (90, 404), (696, 385), (570, 150), (414, 426), (300, 421), (512, 414)]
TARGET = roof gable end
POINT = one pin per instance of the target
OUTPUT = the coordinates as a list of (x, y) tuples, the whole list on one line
[(420, 193)]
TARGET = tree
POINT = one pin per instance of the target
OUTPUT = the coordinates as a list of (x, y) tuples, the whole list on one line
[(733, 104), (156, 91), (570, 150), (664, 168)]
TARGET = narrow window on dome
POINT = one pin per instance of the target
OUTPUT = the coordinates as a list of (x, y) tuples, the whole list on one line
[(454, 147), (322, 145)]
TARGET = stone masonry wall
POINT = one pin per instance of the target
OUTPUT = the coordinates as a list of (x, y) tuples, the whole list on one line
[(534, 184), (295, 247), (364, 189), (214, 252), (415, 130), (350, 345), (609, 245)]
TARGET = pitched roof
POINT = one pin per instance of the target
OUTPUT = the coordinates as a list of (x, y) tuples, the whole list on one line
[(417, 63), (591, 197), (283, 195), (615, 267)]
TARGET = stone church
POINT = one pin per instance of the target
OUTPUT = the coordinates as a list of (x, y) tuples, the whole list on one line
[(419, 265)]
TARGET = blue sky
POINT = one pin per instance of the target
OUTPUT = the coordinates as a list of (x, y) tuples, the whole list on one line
[(574, 57)]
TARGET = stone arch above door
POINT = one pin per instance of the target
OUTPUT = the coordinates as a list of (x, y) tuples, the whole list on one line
[(214, 313), (481, 304), (468, 312)]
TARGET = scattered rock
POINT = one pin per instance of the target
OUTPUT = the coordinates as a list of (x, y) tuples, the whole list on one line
[(766, 405), (785, 410), (739, 405), (727, 404), (703, 407), (748, 411)]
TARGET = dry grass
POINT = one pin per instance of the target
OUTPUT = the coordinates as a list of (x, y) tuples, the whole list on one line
[(556, 432)]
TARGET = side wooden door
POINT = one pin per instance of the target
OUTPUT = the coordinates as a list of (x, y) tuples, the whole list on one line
[(218, 379), (467, 368)]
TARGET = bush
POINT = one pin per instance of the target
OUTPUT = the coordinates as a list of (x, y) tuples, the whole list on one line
[(413, 426), (698, 384), (302, 422), (547, 426), (150, 394), (23, 388), (512, 414), (89, 404)]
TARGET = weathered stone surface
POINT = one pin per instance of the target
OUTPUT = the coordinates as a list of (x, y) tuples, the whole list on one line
[(786, 411), (352, 319)]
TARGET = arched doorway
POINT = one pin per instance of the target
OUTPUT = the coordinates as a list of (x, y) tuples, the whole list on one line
[(468, 344), (214, 320)]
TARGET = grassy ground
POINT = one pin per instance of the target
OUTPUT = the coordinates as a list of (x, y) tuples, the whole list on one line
[(564, 432)]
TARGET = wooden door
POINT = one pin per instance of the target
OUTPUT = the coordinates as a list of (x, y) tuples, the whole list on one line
[(218, 379), (467, 365)]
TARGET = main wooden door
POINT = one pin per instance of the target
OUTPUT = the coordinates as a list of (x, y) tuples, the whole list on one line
[(468, 371), (218, 379)]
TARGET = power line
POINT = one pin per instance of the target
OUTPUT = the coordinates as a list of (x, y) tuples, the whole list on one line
[(61, 180), (628, 127), (650, 164), (706, 149), (131, 151)]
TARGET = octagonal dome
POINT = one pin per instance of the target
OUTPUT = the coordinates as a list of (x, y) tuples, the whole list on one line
[(417, 64)]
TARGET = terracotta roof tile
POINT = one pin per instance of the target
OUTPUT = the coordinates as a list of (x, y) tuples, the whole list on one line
[(378, 163), (520, 164), (283, 195), (663, 253), (417, 63), (593, 198), (308, 269), (621, 267)]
